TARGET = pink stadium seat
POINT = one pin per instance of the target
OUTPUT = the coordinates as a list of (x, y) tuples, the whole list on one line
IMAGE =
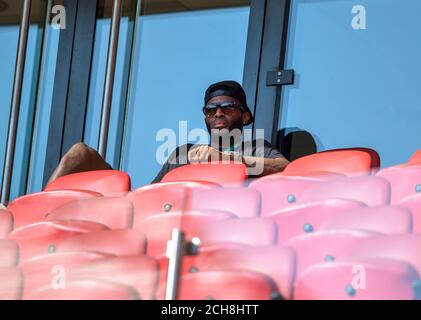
[(164, 197), (115, 213), (413, 203), (387, 220), (138, 272), (229, 174), (11, 284), (106, 182), (226, 285), (6, 223), (373, 280), (85, 290), (46, 237), (373, 191), (309, 217), (404, 248), (41, 270), (275, 262), (245, 231), (405, 180), (116, 242), (33, 207), (416, 158), (9, 254), (351, 162), (327, 245), (320, 175), (158, 228), (281, 192), (243, 202)]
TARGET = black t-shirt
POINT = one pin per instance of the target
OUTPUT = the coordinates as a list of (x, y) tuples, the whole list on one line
[(178, 157)]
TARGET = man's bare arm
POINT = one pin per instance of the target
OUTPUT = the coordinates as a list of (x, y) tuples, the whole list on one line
[(269, 166)]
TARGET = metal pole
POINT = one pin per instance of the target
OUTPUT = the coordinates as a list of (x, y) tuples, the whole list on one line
[(15, 105), (129, 91), (174, 253), (109, 78), (40, 80)]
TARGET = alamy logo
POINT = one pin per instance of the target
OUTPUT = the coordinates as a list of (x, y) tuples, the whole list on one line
[(58, 282), (359, 278), (58, 21), (241, 138), (359, 21)]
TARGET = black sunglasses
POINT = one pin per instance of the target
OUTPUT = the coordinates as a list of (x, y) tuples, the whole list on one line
[(226, 107)]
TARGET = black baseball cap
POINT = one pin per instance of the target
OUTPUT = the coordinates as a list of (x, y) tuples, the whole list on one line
[(231, 89)]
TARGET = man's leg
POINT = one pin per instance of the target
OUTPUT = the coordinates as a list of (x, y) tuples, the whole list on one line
[(79, 158)]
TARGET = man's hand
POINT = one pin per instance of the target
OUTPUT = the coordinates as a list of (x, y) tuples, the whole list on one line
[(204, 154)]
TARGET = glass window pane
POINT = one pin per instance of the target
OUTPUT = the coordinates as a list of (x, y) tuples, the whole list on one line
[(10, 16), (43, 107), (356, 84), (177, 56), (93, 115), (9, 34)]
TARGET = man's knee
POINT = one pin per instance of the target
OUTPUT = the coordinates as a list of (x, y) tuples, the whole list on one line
[(77, 153)]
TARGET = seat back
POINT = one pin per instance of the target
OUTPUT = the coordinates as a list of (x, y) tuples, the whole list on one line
[(309, 217), (405, 181), (357, 280), (243, 202), (106, 182), (6, 223), (351, 162), (227, 174), (115, 213), (34, 207), (387, 220)]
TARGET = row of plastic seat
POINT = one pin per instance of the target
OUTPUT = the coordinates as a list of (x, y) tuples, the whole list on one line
[(314, 266), (274, 237)]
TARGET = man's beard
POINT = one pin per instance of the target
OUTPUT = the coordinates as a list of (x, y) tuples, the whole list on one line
[(222, 139)]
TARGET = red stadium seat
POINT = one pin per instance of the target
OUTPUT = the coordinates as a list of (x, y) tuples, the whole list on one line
[(164, 197), (405, 181), (115, 213), (373, 191), (11, 284), (281, 192), (9, 254), (158, 228), (373, 280), (85, 290), (229, 174), (320, 175), (413, 203), (327, 245), (106, 182), (275, 262), (6, 223), (224, 285), (351, 162), (309, 217), (116, 242), (246, 231), (387, 220), (243, 202), (138, 272), (33, 207), (41, 270), (46, 237), (404, 248), (416, 158)]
